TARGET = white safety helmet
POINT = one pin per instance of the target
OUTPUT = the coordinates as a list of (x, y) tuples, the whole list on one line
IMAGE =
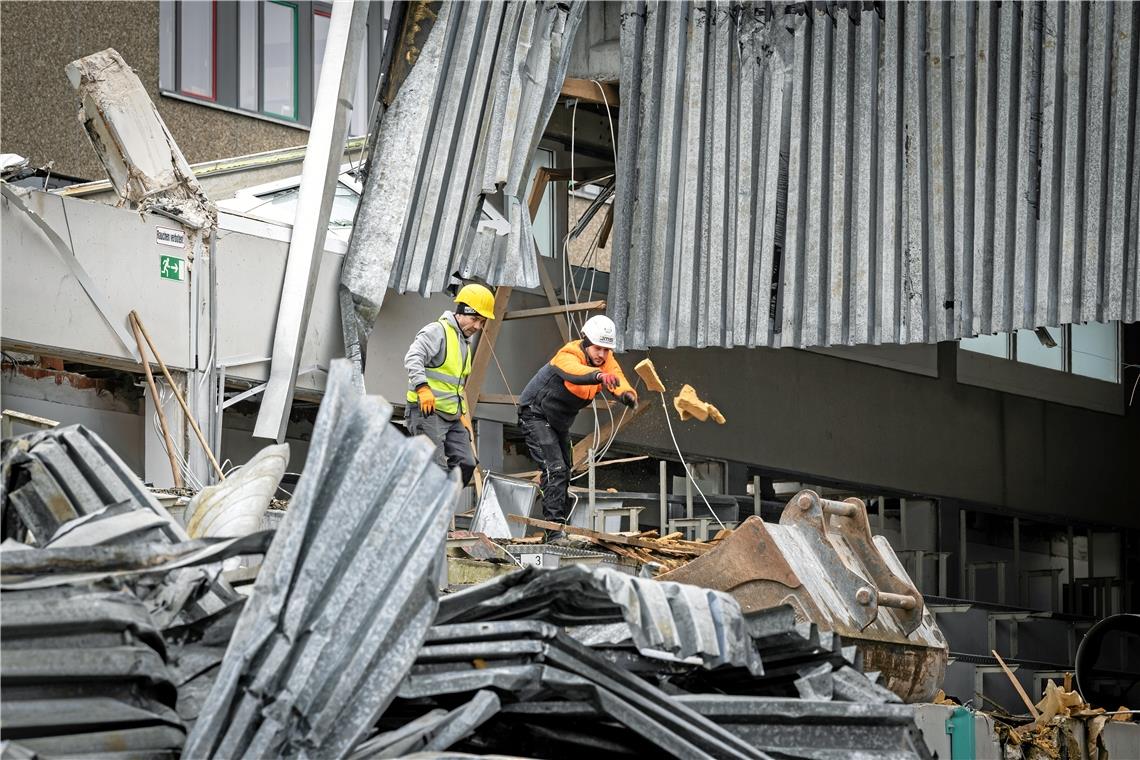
[(600, 331)]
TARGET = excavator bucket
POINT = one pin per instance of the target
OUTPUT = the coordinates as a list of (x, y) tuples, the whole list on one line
[(822, 560)]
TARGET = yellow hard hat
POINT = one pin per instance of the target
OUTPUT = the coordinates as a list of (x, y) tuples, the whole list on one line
[(478, 298)]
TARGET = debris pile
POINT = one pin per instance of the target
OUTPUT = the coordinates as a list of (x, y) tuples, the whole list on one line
[(558, 662), (103, 595), (644, 548), (131, 639), (1062, 724), (344, 595)]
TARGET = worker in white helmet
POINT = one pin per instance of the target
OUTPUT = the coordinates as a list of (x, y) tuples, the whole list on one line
[(438, 363), (553, 398)]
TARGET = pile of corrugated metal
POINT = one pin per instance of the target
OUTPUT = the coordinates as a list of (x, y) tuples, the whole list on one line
[(113, 619), (553, 663), (130, 641)]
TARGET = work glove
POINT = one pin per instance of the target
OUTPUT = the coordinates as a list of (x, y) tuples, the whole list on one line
[(427, 400), (629, 398), (608, 379)]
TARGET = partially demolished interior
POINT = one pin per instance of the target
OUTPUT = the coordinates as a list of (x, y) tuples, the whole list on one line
[(708, 605)]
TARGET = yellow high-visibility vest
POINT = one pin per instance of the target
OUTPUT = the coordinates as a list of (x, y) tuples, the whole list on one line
[(447, 380)]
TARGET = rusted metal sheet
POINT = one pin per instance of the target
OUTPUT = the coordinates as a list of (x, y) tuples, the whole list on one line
[(823, 561)]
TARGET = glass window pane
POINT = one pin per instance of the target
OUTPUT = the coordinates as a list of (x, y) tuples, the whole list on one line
[(320, 36), (279, 96), (167, 45), (1095, 351), (543, 222), (1030, 350), (343, 208), (994, 345), (196, 51), (247, 55), (282, 206)]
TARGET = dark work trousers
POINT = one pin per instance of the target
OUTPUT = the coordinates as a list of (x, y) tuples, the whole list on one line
[(452, 442), (551, 450)]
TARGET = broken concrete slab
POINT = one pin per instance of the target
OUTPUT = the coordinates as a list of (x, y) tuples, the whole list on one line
[(139, 153)]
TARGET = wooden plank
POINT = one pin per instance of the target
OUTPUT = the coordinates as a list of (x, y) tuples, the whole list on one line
[(483, 350), (590, 91), (1017, 685), (612, 538), (544, 311), (552, 298), (607, 227), (490, 334), (581, 449)]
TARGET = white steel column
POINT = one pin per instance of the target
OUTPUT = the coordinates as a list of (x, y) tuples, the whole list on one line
[(318, 181)]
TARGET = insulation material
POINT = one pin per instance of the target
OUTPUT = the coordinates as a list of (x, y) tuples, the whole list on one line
[(813, 174), (689, 406), (647, 372), (235, 506)]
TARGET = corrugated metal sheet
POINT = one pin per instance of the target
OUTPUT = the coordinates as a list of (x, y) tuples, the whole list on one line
[(85, 674), (683, 620), (345, 595), (910, 172), (464, 124)]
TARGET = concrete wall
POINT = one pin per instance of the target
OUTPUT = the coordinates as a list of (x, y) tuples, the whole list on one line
[(803, 412), (38, 120)]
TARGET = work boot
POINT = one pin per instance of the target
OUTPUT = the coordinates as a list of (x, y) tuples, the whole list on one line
[(556, 537)]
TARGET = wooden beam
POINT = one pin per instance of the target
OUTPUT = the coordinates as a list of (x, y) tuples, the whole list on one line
[(613, 538), (581, 451), (590, 91), (552, 299), (484, 348), (543, 311)]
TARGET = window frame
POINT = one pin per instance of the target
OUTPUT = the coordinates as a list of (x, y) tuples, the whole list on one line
[(213, 97), (297, 59), (1009, 375), (230, 37)]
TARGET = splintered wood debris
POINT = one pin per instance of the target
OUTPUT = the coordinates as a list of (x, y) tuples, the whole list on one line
[(644, 547)]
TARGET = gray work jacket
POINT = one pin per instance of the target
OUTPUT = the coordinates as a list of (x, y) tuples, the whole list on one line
[(428, 349)]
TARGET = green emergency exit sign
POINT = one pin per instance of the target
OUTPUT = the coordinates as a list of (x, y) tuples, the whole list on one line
[(171, 268)]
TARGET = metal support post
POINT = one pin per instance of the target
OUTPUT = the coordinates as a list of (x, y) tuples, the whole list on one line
[(688, 492), (756, 495), (962, 551), (662, 526), (1071, 580), (590, 465), (1017, 559), (902, 524), (1089, 551), (319, 173), (882, 502)]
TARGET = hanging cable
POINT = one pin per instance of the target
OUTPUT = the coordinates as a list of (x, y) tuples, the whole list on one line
[(688, 471)]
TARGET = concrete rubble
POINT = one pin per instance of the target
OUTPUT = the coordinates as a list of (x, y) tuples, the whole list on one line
[(142, 159)]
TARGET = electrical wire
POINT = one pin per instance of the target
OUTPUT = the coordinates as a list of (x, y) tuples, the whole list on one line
[(688, 471), (188, 477)]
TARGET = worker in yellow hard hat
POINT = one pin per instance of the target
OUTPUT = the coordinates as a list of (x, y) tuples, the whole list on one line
[(438, 363)]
